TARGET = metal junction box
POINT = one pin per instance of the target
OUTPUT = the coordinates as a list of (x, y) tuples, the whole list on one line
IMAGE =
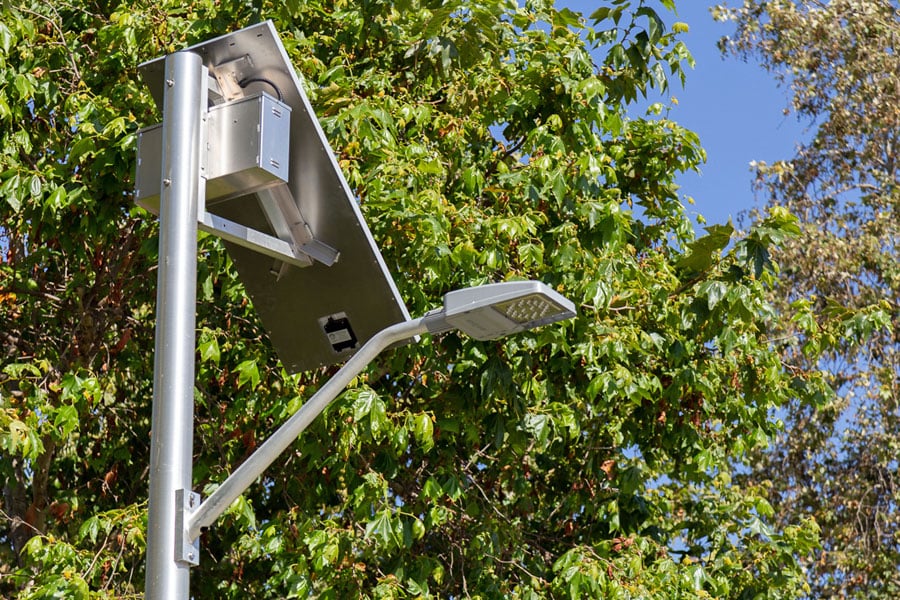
[(248, 151)]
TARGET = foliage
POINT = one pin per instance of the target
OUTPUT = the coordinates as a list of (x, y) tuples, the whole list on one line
[(591, 459), (837, 461)]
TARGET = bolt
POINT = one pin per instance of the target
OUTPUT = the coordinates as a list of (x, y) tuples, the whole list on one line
[(190, 556), (167, 182), (170, 82)]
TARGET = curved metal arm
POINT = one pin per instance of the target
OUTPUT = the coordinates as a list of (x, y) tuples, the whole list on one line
[(486, 312), (213, 507)]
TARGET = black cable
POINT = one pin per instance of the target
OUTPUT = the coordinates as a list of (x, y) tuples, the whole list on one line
[(244, 83)]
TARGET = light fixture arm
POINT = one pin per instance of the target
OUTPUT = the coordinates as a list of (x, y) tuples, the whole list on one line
[(484, 312), (213, 507)]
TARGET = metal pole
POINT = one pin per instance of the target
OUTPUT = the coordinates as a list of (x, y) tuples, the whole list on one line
[(253, 467), (171, 441)]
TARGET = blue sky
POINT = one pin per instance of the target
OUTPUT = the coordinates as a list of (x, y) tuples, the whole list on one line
[(734, 106)]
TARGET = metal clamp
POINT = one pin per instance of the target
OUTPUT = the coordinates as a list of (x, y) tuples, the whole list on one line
[(186, 551)]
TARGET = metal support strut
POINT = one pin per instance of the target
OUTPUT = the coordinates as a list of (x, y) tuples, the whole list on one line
[(210, 510)]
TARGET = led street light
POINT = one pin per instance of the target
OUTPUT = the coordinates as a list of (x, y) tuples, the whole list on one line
[(492, 311)]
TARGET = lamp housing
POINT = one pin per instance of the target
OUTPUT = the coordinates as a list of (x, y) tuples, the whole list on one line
[(496, 310)]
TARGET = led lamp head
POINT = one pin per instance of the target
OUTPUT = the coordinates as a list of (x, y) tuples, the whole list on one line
[(496, 310)]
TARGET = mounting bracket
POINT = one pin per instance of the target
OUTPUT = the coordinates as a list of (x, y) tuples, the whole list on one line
[(247, 152), (187, 551)]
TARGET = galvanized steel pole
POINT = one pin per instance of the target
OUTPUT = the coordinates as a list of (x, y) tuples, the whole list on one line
[(171, 443)]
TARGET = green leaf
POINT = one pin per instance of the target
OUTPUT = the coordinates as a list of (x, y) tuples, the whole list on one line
[(566, 18), (531, 254), (56, 200), (209, 351), (758, 527), (616, 56), (378, 421), (382, 529), (538, 425), (84, 146), (432, 489), (423, 430), (364, 398), (655, 27), (23, 86), (5, 112), (248, 373), (600, 14), (90, 529), (12, 192), (452, 488), (66, 419), (35, 186), (714, 291), (703, 251), (7, 39), (756, 253)]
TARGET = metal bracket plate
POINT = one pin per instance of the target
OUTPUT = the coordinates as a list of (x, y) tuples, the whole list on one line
[(186, 551), (254, 239)]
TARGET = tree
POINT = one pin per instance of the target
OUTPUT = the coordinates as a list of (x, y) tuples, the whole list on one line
[(590, 460), (837, 460)]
